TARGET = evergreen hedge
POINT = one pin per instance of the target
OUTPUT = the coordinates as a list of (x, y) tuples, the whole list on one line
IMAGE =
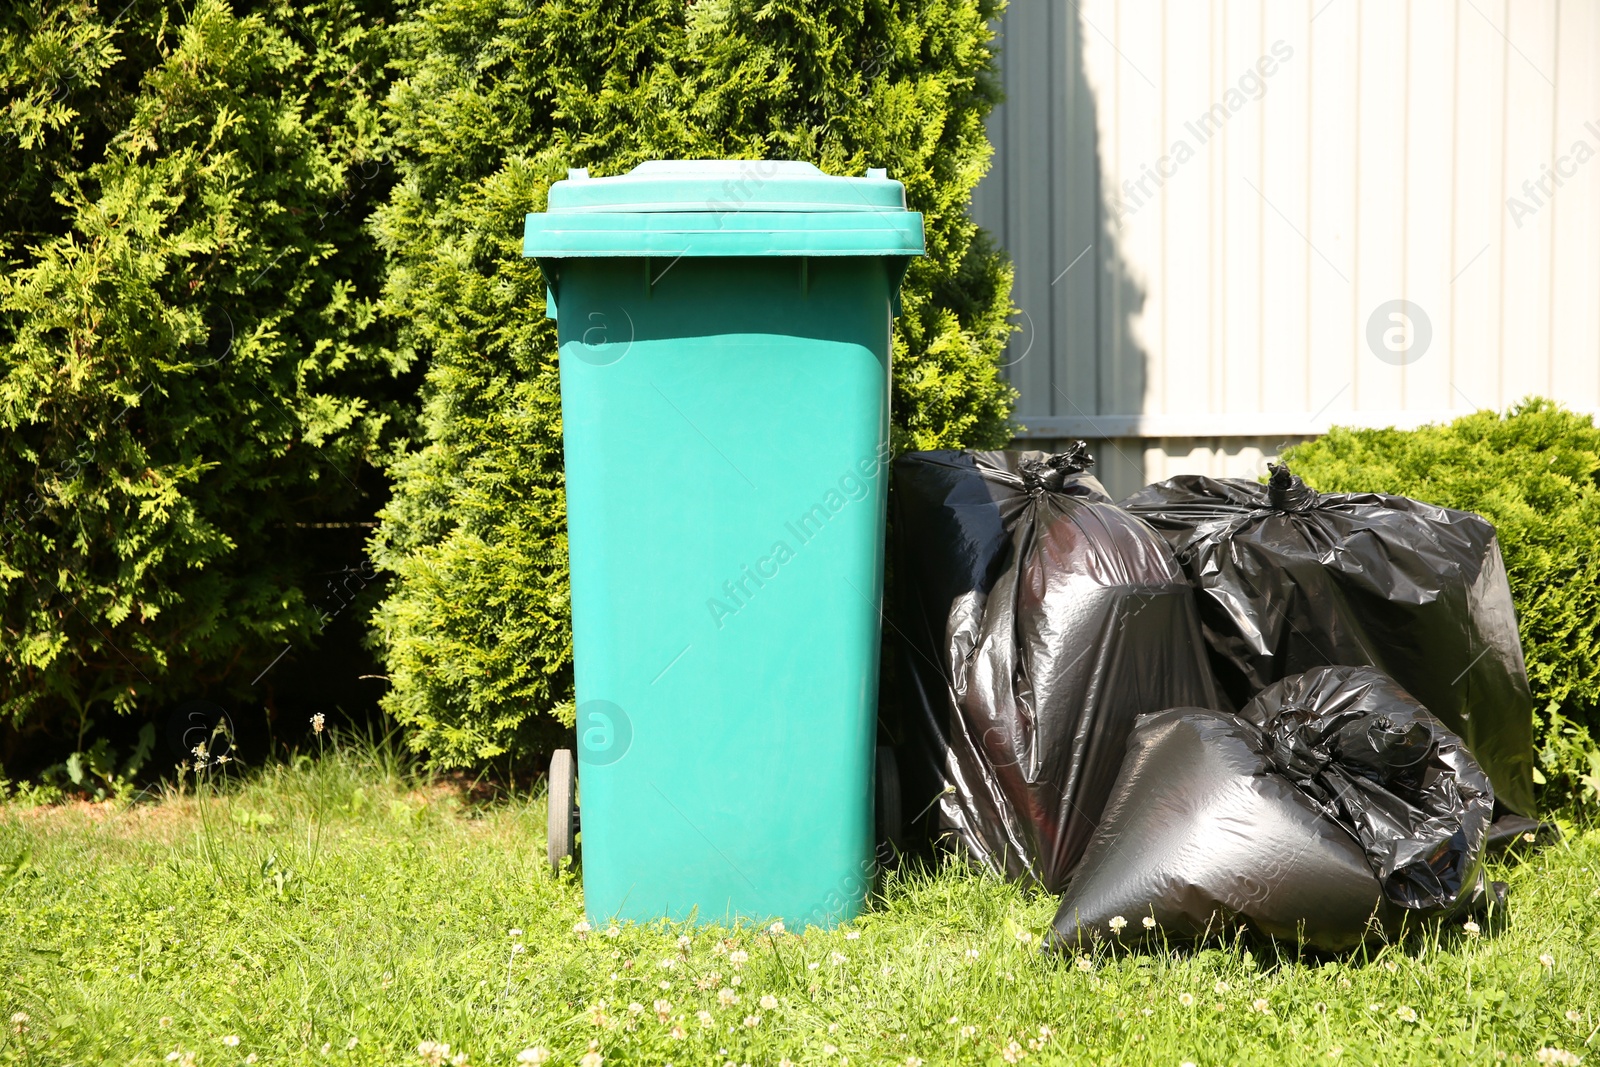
[(495, 99), (1533, 471), (192, 370)]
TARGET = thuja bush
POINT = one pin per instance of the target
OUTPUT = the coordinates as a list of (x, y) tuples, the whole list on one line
[(494, 100), (1533, 471), (192, 370)]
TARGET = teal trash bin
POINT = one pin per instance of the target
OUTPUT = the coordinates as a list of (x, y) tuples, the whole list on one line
[(724, 332)]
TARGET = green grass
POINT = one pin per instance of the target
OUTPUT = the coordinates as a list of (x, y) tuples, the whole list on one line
[(341, 904)]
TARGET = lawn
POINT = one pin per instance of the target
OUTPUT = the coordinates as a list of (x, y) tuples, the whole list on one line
[(344, 910)]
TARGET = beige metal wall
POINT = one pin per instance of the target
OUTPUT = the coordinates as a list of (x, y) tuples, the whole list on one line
[(1210, 205)]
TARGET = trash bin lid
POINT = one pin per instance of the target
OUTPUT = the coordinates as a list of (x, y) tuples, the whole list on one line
[(724, 207)]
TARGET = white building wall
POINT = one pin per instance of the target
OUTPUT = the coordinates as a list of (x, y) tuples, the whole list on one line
[(1195, 293)]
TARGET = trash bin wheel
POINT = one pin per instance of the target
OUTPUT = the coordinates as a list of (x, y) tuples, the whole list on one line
[(561, 819), (889, 828)]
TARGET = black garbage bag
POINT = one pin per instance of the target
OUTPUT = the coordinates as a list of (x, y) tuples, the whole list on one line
[(1040, 620), (1289, 579), (1332, 808)]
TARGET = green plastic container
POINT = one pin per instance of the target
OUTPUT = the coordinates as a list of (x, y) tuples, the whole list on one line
[(725, 338)]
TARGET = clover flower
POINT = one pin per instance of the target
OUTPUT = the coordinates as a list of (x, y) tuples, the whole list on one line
[(1560, 1057), (1117, 924)]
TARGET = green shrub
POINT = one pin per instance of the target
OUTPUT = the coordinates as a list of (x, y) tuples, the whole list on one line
[(191, 365), (496, 99), (1535, 473)]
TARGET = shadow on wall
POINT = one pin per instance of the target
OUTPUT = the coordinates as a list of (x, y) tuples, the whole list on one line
[(1074, 357)]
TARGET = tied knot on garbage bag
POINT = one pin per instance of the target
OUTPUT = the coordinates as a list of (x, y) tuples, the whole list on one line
[(1052, 473), (1286, 492), (1333, 808)]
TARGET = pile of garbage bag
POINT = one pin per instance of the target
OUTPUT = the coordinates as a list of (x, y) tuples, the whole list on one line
[(1041, 621), (1072, 668)]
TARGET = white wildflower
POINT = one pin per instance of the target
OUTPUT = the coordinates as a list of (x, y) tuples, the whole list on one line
[(1558, 1056)]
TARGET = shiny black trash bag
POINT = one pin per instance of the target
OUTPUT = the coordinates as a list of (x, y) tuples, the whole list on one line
[(1039, 620), (1332, 809), (1289, 579)]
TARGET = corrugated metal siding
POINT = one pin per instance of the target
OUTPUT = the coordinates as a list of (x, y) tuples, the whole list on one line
[(1357, 152)]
